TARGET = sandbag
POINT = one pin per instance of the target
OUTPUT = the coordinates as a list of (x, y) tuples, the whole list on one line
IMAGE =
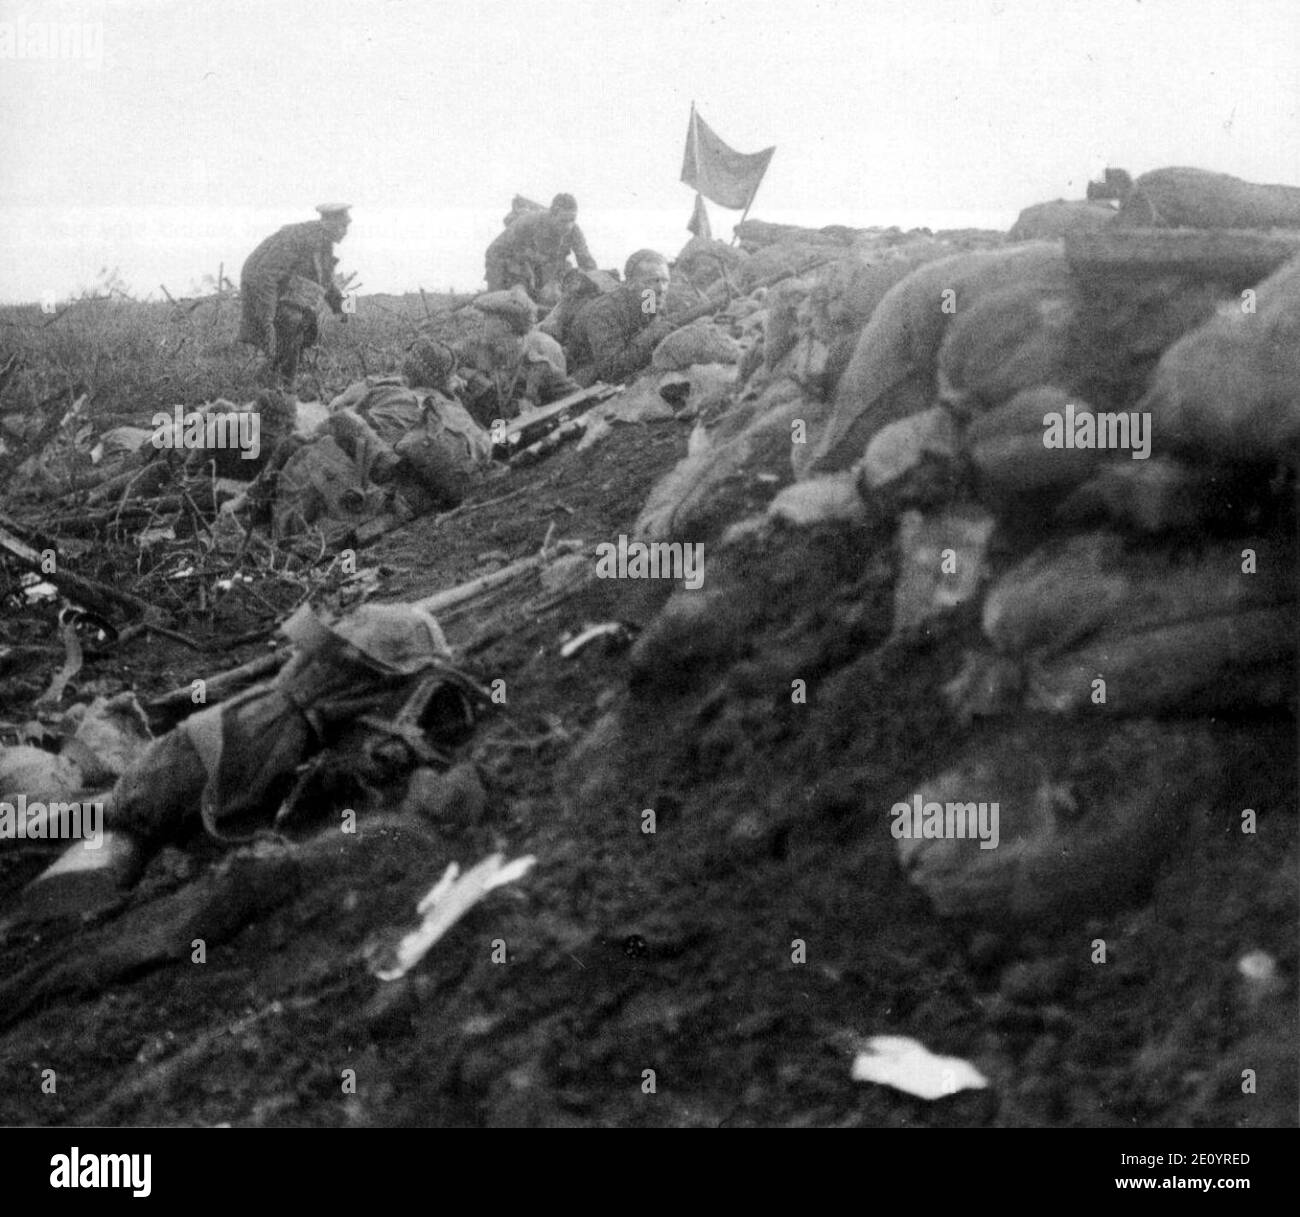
[(913, 461), (1010, 461), (1197, 198), (758, 234), (813, 322), (705, 492), (833, 499), (700, 342), (1052, 221), (1084, 818), (1095, 585), (1245, 661), (703, 390), (1230, 390), (1152, 496), (1008, 340), (703, 261), (793, 258), (892, 372)]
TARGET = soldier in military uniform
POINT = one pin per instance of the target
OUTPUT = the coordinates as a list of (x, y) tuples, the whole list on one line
[(284, 282), (614, 336), (534, 249)]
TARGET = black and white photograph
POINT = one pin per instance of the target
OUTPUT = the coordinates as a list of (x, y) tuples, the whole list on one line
[(694, 564)]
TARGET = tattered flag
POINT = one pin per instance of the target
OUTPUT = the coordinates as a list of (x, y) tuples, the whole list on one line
[(718, 171)]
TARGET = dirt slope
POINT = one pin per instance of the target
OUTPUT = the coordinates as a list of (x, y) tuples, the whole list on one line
[(669, 952)]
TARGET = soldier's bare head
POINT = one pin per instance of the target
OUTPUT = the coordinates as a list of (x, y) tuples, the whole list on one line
[(564, 210), (648, 269)]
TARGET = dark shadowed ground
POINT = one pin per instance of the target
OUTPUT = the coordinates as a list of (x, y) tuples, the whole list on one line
[(670, 952)]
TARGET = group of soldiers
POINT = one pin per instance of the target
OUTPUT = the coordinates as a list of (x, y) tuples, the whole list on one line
[(607, 328)]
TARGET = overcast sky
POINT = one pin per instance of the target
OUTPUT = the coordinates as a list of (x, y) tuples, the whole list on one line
[(206, 124)]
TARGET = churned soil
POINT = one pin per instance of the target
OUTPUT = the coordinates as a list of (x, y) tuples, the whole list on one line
[(740, 952)]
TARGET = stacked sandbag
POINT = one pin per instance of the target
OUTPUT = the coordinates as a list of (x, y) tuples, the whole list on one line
[(820, 315), (1167, 631), (1158, 495), (1132, 591), (894, 368), (1079, 444), (739, 456), (1052, 221), (759, 234), (1008, 340), (843, 296), (1124, 323), (1197, 198), (1230, 390), (789, 258), (1010, 464)]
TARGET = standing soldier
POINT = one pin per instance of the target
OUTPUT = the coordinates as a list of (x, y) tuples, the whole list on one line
[(534, 250), (283, 283)]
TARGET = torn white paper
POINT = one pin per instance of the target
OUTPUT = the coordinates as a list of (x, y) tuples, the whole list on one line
[(445, 904), (909, 1066)]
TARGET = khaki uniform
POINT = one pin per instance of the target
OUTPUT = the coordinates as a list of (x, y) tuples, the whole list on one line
[(613, 337), (533, 253), (283, 283)]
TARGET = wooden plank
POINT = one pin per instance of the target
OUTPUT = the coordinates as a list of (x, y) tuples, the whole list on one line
[(1228, 254)]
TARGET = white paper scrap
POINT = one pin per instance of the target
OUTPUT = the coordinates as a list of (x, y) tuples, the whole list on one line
[(909, 1066), (445, 904)]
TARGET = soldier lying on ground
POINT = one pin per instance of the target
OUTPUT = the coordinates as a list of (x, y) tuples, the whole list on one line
[(282, 285), (501, 364), (614, 335), (577, 289)]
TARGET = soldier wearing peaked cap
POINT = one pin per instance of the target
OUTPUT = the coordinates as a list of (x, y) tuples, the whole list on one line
[(284, 282)]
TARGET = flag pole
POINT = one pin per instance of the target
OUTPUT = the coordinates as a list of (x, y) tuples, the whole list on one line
[(735, 236), (744, 214)]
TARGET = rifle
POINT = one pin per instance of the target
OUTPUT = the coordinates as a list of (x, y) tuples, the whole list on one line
[(530, 426), (708, 308)]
